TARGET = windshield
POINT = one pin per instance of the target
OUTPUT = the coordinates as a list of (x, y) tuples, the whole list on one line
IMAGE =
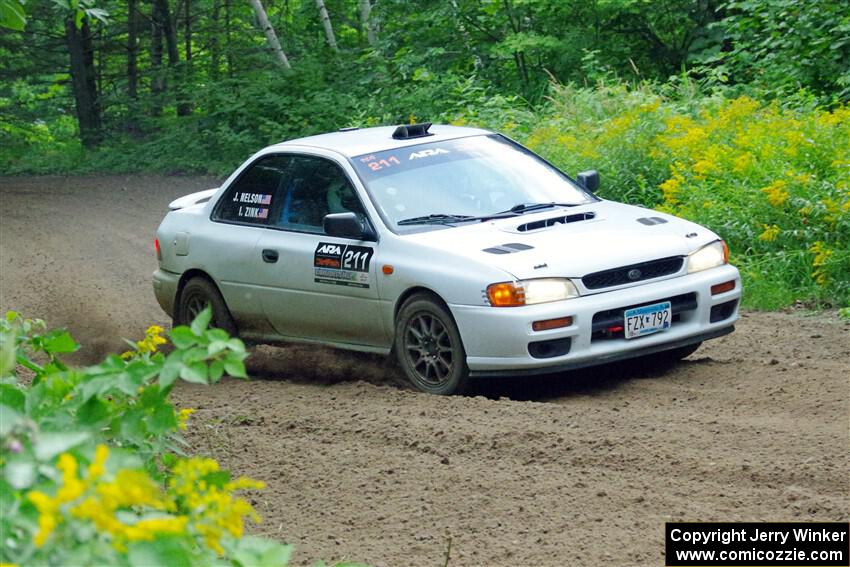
[(463, 180)]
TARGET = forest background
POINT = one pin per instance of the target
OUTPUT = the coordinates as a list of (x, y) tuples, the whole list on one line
[(730, 113)]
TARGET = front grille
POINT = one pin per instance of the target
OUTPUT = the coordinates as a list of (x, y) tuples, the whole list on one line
[(633, 273), (604, 321)]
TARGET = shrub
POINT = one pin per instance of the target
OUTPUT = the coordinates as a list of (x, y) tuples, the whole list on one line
[(92, 471), (773, 181)]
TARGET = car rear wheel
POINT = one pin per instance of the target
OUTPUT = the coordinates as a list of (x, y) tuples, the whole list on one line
[(429, 348), (195, 296)]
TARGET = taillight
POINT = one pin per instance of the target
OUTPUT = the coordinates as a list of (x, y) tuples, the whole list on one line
[(158, 249)]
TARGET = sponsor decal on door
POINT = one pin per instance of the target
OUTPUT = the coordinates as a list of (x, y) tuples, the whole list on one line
[(342, 264)]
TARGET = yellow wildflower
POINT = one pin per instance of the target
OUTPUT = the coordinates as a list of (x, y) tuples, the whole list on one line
[(670, 188), (216, 512), (183, 417), (770, 233), (48, 517), (72, 488), (743, 162), (776, 192), (146, 530), (96, 468), (820, 261)]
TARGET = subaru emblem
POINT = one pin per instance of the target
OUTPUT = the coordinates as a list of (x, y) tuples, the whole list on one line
[(634, 275)]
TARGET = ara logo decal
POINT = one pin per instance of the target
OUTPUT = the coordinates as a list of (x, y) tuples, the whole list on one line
[(329, 249), (427, 153)]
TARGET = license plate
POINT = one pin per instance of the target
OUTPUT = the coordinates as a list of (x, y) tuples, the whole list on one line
[(648, 319)]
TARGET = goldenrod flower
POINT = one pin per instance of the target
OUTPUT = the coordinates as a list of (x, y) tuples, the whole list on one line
[(47, 515), (183, 417), (776, 193), (770, 233)]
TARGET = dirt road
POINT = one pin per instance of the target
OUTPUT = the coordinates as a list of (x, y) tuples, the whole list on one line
[(581, 468)]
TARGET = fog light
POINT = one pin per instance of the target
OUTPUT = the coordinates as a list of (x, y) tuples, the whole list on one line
[(552, 324), (723, 287)]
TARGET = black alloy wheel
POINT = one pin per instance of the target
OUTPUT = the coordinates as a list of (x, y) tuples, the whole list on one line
[(429, 347)]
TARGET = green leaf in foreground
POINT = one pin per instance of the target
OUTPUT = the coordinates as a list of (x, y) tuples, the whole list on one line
[(50, 445), (202, 321)]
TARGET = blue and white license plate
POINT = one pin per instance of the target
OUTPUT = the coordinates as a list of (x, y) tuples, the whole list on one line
[(648, 319)]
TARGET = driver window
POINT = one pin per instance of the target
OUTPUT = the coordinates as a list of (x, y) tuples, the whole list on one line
[(315, 187)]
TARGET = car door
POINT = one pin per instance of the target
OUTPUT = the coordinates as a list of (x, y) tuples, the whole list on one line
[(238, 221), (314, 286)]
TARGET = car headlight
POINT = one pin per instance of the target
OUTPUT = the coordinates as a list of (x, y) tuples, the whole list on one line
[(530, 292), (709, 256)]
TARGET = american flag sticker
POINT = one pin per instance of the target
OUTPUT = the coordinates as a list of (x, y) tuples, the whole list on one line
[(263, 213), (265, 200)]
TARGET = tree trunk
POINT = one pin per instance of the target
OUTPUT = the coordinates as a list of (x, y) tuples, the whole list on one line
[(326, 23), (132, 50), (271, 36), (215, 54), (228, 50), (366, 22), (169, 31), (81, 53), (184, 106), (187, 30), (158, 77)]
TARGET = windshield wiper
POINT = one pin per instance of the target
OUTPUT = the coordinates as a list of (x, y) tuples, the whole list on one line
[(438, 218), (522, 208)]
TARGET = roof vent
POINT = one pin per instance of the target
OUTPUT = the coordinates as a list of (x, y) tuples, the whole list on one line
[(566, 219), (408, 131)]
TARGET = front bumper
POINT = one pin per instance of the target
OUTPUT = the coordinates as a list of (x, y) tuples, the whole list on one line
[(497, 339), (165, 289)]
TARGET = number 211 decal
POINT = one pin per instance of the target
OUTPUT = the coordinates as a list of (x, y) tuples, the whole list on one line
[(342, 264)]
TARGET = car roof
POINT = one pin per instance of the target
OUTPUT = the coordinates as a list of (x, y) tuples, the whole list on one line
[(361, 141)]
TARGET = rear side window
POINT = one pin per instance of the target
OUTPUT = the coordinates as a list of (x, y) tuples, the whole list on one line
[(255, 196)]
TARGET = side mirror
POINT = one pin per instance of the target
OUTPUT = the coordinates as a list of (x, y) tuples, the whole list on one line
[(589, 180), (348, 225)]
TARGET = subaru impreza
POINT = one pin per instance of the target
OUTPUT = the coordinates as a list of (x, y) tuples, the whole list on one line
[(457, 250)]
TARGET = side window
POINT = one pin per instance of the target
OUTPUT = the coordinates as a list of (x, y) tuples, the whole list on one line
[(314, 188), (256, 196)]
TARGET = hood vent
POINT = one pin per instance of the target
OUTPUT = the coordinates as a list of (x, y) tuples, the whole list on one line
[(508, 248), (565, 219), (649, 221)]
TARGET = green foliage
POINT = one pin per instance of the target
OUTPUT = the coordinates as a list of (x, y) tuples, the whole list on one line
[(781, 46), (91, 468), (12, 14), (773, 181)]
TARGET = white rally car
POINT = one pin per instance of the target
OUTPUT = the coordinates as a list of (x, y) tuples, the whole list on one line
[(457, 248)]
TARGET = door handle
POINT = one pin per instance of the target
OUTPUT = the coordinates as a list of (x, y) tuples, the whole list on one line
[(270, 256)]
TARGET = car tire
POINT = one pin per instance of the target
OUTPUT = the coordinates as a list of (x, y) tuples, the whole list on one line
[(195, 296), (429, 348)]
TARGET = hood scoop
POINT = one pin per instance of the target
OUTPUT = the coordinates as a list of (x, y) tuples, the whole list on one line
[(508, 248), (552, 221)]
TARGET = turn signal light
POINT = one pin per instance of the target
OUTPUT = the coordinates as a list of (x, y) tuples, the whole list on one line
[(158, 249), (505, 295), (552, 324), (723, 287)]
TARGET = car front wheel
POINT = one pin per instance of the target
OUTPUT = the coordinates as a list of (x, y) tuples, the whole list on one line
[(195, 296), (429, 348)]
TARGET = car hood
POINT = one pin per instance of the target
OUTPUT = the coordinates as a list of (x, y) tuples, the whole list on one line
[(570, 242)]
